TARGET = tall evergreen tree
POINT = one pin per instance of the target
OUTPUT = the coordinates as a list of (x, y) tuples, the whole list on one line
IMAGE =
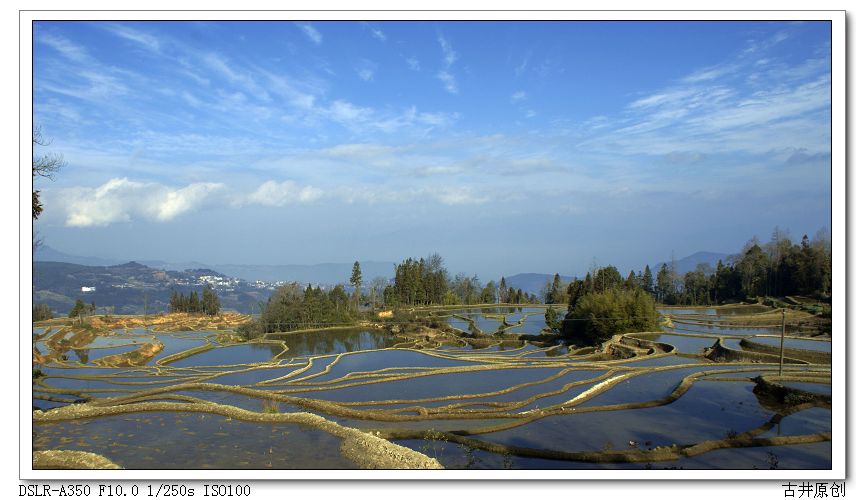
[(174, 304), (607, 278), (647, 283), (356, 281), (631, 281), (556, 290), (194, 305), (210, 301), (664, 285)]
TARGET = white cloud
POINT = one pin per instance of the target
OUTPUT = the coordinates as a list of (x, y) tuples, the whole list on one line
[(347, 113), (449, 80), (278, 194), (96, 86), (459, 195), (146, 40), (438, 170), (413, 63), (710, 73), (64, 46), (360, 118), (519, 95), (519, 70), (224, 68), (787, 107), (173, 202), (445, 195), (365, 70), (358, 151), (310, 32), (449, 58), (375, 32), (663, 98), (121, 200)]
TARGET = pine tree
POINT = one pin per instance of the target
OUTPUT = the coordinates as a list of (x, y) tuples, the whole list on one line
[(194, 306), (631, 281), (664, 287), (210, 301), (174, 304), (556, 290), (503, 290), (356, 280), (647, 281)]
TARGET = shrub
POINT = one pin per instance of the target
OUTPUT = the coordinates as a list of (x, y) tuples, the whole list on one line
[(82, 309), (596, 317), (250, 330), (554, 322)]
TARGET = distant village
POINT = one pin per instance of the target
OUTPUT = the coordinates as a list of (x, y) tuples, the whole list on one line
[(217, 282)]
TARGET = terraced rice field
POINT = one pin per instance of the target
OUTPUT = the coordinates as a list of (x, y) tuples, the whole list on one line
[(691, 396)]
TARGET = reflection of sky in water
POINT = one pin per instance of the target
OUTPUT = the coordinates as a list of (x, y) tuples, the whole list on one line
[(688, 328), (691, 345), (335, 342), (231, 355), (709, 410), (173, 345), (195, 441), (436, 385), (369, 361), (812, 345)]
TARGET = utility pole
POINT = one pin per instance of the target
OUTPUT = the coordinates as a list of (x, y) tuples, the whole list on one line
[(783, 328)]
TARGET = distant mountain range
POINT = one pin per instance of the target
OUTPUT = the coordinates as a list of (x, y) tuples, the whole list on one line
[(126, 287), (325, 274), (691, 262), (58, 277), (533, 282), (330, 274), (46, 253)]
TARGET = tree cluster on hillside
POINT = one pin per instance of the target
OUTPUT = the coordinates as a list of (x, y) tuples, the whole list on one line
[(777, 268), (598, 315), (418, 282), (293, 308), (554, 292), (518, 296), (82, 308), (42, 312), (208, 303), (426, 282)]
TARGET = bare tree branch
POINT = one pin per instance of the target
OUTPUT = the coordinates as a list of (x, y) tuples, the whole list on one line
[(45, 165)]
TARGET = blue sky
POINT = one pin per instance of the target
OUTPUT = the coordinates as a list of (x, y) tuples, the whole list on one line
[(505, 146)]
